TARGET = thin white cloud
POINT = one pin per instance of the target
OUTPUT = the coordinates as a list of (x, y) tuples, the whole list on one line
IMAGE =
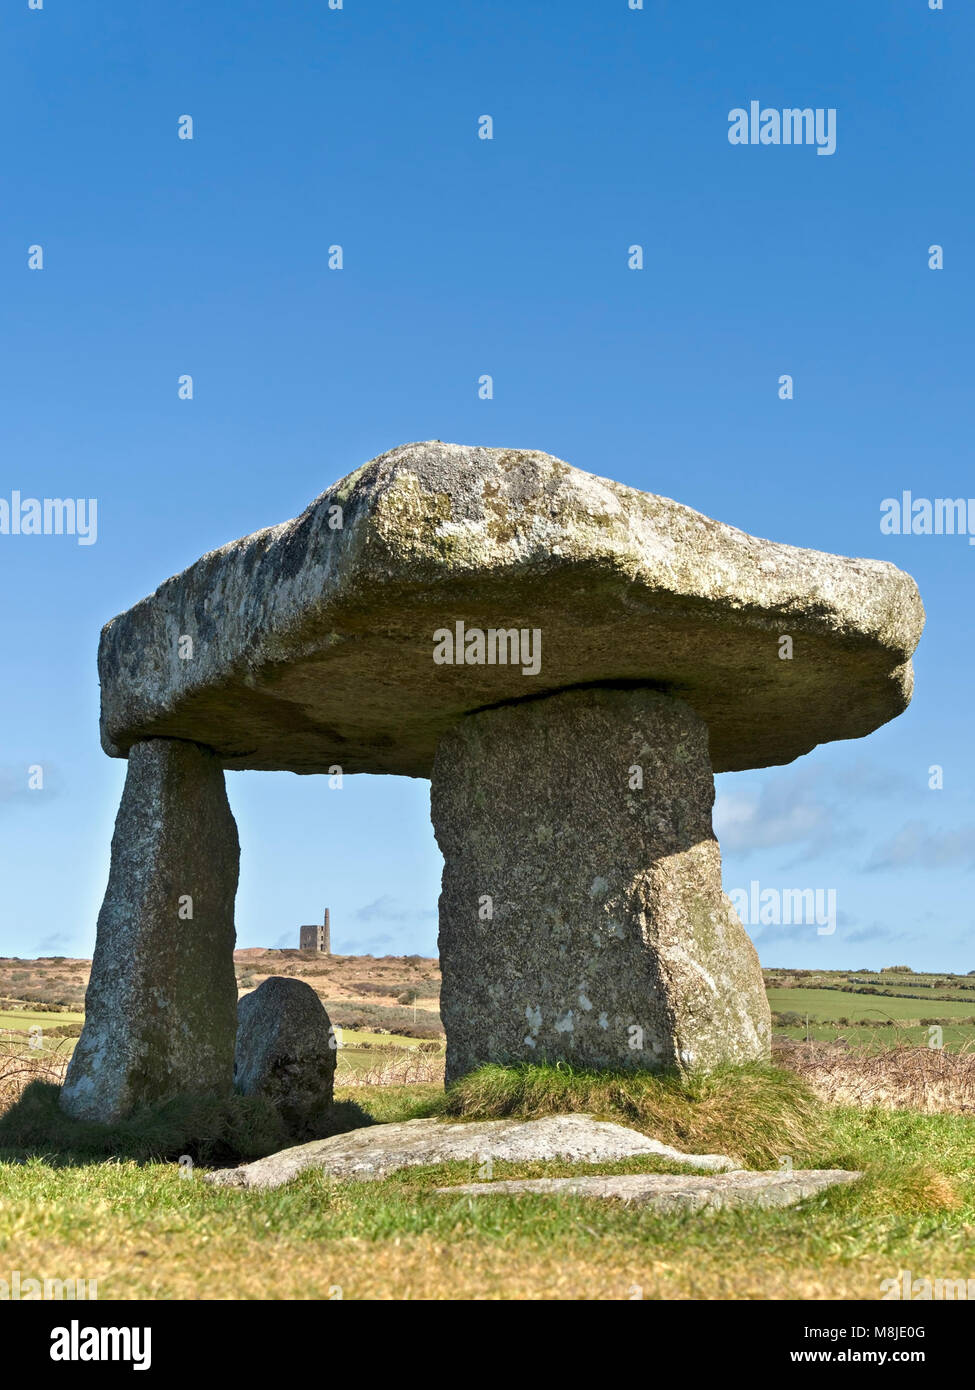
[(918, 846), (390, 909)]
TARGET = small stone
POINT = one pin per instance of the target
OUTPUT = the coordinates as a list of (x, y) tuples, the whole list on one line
[(286, 1053)]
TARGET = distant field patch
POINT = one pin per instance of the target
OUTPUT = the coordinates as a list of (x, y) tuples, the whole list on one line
[(352, 1037), (25, 1019), (954, 1038), (58, 1031), (830, 1003)]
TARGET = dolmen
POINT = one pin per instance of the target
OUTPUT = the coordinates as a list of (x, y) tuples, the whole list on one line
[(569, 661)]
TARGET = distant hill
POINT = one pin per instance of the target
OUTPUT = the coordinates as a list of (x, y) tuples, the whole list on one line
[(398, 994), (401, 994)]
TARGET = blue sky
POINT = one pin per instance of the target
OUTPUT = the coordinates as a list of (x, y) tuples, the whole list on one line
[(314, 127)]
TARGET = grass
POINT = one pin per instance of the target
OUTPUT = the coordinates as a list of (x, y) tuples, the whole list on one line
[(202, 1128), (389, 1066), (352, 1037), (955, 1037), (870, 1022), (924, 1079), (755, 1114), (25, 1019), (58, 1032), (117, 1206), (143, 1231), (825, 1004), (368, 1056)]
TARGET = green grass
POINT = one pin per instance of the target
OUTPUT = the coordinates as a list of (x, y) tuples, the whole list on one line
[(830, 1003), (24, 1019), (374, 1052), (755, 1113), (955, 1037), (15, 1032), (143, 1231), (885, 1020), (352, 1037), (15, 1028)]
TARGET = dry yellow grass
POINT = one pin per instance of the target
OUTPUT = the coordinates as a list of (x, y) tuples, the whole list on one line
[(931, 1080), (167, 1266), (20, 1065), (401, 1066)]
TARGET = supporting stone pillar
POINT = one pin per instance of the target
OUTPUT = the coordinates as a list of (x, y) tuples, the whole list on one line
[(161, 1007), (582, 916)]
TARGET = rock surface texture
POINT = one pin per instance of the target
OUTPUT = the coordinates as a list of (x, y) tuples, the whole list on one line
[(161, 1007), (582, 915), (378, 1150), (313, 640), (286, 1053)]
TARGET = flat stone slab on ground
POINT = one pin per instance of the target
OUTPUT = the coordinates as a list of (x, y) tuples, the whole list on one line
[(666, 1192), (378, 1150)]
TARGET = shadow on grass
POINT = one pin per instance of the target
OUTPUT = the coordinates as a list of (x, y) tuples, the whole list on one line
[(209, 1130)]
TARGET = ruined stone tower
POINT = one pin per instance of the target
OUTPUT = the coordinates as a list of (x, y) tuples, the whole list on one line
[(316, 938)]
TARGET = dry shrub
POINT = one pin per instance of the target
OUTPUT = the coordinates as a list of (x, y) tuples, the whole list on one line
[(20, 1065), (902, 1077), (401, 1066)]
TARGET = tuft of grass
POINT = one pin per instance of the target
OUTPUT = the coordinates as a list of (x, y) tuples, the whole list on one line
[(756, 1114), (919, 1189), (208, 1129), (392, 1104)]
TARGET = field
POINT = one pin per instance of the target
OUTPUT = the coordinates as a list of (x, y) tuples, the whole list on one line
[(872, 1011), (382, 1005), (23, 1020), (45, 1034), (360, 1056), (363, 994), (364, 997), (386, 1004), (137, 1225), (830, 1005)]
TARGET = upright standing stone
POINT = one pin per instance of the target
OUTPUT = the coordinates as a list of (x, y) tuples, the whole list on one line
[(161, 1007), (582, 916)]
